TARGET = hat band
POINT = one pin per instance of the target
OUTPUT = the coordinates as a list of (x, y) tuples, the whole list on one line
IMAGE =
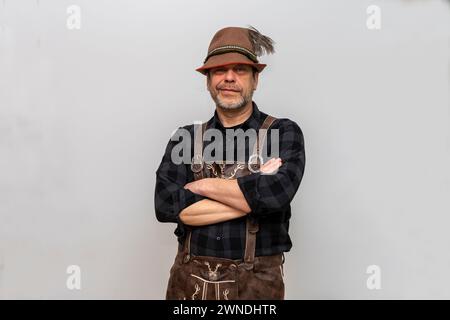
[(226, 49)]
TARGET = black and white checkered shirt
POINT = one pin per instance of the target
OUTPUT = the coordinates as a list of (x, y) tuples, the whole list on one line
[(269, 196)]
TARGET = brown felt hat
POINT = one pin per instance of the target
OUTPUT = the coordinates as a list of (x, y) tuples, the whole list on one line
[(232, 45)]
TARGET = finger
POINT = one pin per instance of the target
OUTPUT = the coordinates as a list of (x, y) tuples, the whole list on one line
[(271, 167), (268, 163)]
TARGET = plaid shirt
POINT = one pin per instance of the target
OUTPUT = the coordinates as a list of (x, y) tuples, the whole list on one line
[(268, 196)]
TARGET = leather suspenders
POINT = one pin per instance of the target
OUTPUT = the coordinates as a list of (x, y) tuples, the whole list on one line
[(255, 159)]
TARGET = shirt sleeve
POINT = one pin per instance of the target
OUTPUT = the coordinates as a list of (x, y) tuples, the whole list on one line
[(170, 196), (268, 193)]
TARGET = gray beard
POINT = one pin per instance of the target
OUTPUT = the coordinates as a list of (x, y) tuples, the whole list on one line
[(233, 106)]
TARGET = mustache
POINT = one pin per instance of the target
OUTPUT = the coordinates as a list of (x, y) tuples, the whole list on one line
[(229, 88)]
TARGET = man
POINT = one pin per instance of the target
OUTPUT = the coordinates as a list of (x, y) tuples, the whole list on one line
[(232, 220)]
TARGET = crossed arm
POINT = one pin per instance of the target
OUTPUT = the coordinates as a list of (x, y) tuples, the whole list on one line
[(226, 200)]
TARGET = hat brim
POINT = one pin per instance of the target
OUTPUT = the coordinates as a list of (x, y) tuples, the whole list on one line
[(227, 59)]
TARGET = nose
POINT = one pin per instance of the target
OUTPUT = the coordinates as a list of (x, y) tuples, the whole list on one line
[(230, 76)]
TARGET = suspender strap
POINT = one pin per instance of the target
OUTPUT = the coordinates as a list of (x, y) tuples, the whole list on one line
[(252, 226), (187, 247), (259, 144), (250, 243), (197, 160)]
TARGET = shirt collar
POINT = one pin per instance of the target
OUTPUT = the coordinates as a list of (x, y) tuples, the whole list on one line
[(251, 123)]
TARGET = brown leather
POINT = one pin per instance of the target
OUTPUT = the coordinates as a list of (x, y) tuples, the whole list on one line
[(199, 277), (257, 149), (219, 169), (211, 278), (250, 243)]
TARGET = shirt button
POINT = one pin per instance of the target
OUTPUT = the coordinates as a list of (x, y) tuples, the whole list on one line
[(218, 238)]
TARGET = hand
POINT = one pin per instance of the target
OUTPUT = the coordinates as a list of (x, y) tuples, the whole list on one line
[(197, 186), (271, 166)]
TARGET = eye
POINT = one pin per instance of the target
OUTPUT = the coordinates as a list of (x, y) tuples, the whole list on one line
[(219, 71), (240, 69)]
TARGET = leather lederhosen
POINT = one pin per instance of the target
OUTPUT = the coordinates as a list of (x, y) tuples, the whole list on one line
[(195, 277)]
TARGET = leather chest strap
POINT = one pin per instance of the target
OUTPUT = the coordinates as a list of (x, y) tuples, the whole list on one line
[(259, 143), (197, 161)]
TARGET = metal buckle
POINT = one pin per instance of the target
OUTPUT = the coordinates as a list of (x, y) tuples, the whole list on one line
[(251, 162)]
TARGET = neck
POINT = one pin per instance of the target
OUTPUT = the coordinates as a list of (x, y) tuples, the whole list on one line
[(234, 117)]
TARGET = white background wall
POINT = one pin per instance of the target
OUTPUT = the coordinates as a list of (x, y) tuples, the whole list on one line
[(85, 116)]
